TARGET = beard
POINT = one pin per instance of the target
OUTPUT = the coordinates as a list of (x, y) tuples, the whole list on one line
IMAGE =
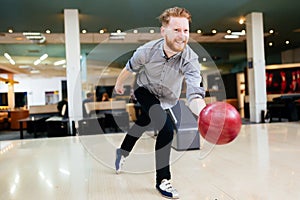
[(176, 45)]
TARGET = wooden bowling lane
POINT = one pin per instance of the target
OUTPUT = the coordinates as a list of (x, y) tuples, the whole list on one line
[(261, 163)]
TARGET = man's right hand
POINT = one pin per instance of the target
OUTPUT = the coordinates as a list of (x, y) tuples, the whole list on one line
[(119, 89)]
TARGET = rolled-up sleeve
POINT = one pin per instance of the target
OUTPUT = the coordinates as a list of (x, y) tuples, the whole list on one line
[(193, 80)]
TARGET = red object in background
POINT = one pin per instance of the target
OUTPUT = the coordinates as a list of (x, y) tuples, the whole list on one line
[(269, 79), (298, 80), (283, 82), (219, 123), (293, 85)]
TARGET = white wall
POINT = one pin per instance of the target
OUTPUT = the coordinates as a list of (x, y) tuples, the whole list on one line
[(35, 88)]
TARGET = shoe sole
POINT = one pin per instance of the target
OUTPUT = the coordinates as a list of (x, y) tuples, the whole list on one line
[(166, 196)]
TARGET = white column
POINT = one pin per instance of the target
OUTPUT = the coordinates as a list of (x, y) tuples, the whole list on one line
[(256, 65), (72, 39), (11, 92)]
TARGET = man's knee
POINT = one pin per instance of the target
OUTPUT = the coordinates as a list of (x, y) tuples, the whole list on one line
[(158, 116)]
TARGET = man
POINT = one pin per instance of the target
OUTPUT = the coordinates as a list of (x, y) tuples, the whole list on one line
[(161, 66), (62, 107), (89, 98)]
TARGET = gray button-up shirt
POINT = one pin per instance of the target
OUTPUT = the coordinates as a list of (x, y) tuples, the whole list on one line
[(163, 76)]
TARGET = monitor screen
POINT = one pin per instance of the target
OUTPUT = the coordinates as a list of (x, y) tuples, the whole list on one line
[(20, 99), (3, 99)]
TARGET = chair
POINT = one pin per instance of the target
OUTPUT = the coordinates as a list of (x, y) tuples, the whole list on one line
[(186, 135), (114, 114), (91, 126), (57, 127)]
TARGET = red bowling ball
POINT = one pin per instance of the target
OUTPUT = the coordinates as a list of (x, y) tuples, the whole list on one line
[(219, 123)]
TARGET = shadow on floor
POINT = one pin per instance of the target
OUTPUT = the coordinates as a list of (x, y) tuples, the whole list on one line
[(15, 135)]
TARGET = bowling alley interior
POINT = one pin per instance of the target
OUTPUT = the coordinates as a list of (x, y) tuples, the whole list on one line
[(61, 120)]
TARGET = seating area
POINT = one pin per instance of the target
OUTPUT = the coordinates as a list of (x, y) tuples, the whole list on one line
[(105, 117), (4, 120), (41, 120), (9, 118), (280, 107), (284, 107), (112, 116), (115, 116)]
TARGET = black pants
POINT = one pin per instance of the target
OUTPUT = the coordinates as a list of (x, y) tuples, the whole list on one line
[(152, 115)]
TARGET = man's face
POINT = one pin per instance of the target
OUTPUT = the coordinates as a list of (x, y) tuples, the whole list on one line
[(176, 34)]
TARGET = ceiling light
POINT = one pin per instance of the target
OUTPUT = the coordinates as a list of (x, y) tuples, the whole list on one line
[(135, 31), (38, 61), (287, 42), (24, 66), (271, 31), (101, 31), (228, 31), (35, 37), (12, 62), (7, 56), (242, 20), (10, 30), (83, 31), (270, 44), (231, 36), (214, 31), (31, 34), (152, 31), (199, 31), (60, 62), (117, 36), (119, 31), (34, 71), (43, 57), (48, 31), (241, 33)]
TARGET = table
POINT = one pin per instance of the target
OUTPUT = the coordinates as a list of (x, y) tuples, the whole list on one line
[(33, 120)]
